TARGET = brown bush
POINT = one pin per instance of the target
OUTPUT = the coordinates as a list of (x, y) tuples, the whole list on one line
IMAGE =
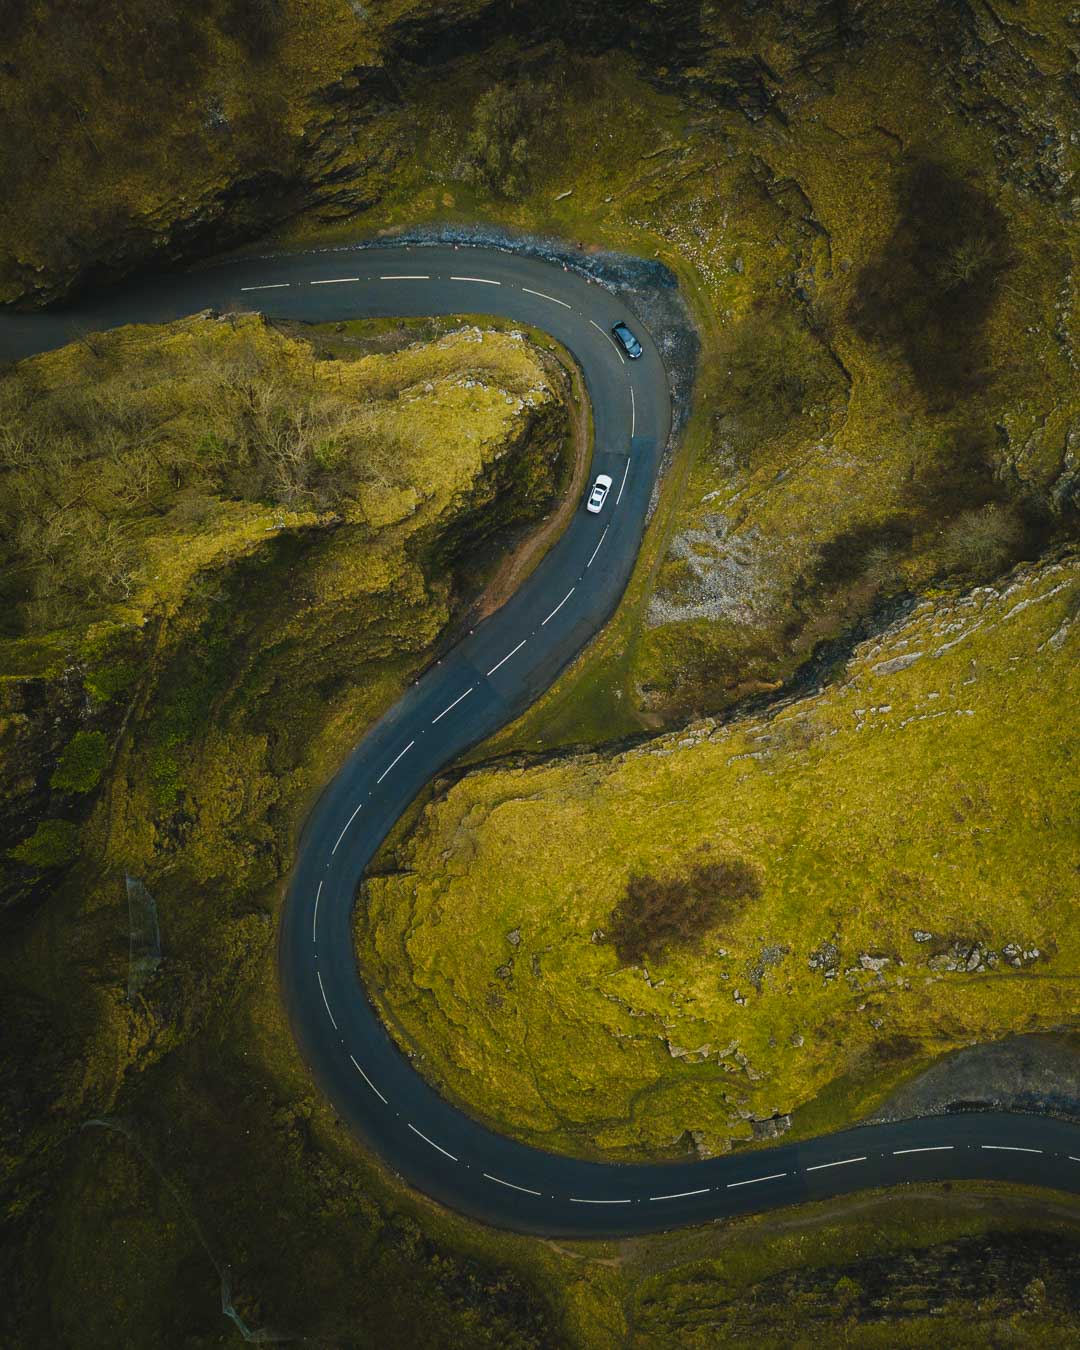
[(981, 542), (661, 912)]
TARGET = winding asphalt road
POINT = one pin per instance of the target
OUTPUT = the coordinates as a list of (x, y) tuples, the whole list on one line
[(489, 678)]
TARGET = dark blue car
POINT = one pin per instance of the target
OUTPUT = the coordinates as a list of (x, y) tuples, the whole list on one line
[(629, 343)]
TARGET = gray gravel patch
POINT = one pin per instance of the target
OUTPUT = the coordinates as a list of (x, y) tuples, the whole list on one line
[(1020, 1073)]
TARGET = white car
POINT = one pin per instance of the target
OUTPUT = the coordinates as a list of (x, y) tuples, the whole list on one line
[(598, 495)]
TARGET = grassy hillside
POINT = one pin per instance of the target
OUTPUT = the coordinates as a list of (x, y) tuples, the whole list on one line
[(222, 554), (884, 282), (158, 482), (226, 554), (868, 212), (961, 1263), (779, 914)]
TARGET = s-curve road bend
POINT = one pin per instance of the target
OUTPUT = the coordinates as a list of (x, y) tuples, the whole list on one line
[(489, 678)]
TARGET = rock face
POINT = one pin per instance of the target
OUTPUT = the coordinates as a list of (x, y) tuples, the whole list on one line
[(896, 663), (772, 1127)]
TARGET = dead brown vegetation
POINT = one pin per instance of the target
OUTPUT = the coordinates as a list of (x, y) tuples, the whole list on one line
[(661, 912)]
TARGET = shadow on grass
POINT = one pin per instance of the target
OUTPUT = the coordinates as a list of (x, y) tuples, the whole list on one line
[(932, 289)]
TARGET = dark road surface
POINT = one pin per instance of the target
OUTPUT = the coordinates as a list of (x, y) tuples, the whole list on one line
[(489, 678)]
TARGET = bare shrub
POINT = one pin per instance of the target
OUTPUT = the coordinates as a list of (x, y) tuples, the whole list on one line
[(661, 912), (982, 542), (505, 119)]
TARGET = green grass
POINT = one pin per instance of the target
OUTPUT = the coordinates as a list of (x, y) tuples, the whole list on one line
[(773, 229), (874, 1269), (223, 686), (926, 798)]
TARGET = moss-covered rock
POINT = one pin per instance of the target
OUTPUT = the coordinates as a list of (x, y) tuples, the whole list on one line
[(53, 844), (81, 763)]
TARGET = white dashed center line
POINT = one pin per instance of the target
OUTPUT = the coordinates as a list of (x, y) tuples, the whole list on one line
[(432, 1142), (596, 550), (368, 1081), (554, 302), (508, 656), (559, 606), (318, 976), (452, 705), (526, 1190), (315, 916), (618, 499), (618, 349), (392, 763), (341, 836), (511, 1185), (841, 1162)]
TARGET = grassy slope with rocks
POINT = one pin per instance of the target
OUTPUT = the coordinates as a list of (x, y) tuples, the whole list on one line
[(156, 482), (807, 173), (906, 833), (775, 157), (885, 284), (960, 1263), (224, 558)]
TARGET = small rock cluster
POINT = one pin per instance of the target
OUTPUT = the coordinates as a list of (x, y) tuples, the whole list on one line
[(768, 956), (958, 955), (772, 1127), (826, 959), (963, 956)]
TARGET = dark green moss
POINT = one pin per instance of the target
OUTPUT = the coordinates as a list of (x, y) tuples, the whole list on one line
[(53, 843), (82, 762)]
